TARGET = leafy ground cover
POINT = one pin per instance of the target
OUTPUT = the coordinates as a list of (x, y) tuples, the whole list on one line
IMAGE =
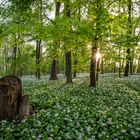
[(76, 111)]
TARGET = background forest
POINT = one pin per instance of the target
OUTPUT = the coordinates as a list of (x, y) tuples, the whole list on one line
[(63, 36)]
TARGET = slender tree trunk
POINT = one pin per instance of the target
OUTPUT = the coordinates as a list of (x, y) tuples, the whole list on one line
[(131, 67), (19, 72), (54, 66), (128, 57), (2, 64), (119, 62), (97, 74), (138, 68), (123, 63), (119, 69), (127, 63), (54, 70), (14, 59), (114, 67), (132, 61), (102, 66), (93, 68), (126, 69), (75, 68), (5, 56), (38, 57), (14, 56), (38, 43), (95, 40), (57, 67), (69, 53), (75, 58), (135, 66), (68, 67)]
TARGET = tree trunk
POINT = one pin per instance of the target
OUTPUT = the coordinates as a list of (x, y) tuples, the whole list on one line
[(119, 62), (95, 41), (25, 109), (12, 104), (54, 67), (119, 69), (128, 57), (126, 69), (68, 53), (6, 56), (97, 74), (75, 68), (102, 66), (131, 67), (127, 63), (114, 67), (10, 91), (93, 68), (75, 55), (38, 42), (68, 67), (5, 109), (20, 69), (138, 69), (14, 60), (54, 70), (38, 57)]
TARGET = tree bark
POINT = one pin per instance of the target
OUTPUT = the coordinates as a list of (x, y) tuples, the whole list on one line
[(119, 62), (38, 42), (75, 56), (126, 69), (93, 67), (128, 57), (68, 54), (75, 68), (131, 67), (54, 68), (102, 66), (114, 67), (138, 69), (12, 104), (25, 108), (38, 57), (127, 63), (68, 67), (10, 92), (14, 60), (95, 41), (97, 74)]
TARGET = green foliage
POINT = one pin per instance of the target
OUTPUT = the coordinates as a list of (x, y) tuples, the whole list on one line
[(105, 20), (79, 112), (21, 5)]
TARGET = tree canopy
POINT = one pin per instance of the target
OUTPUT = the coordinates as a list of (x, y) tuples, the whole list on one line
[(35, 35)]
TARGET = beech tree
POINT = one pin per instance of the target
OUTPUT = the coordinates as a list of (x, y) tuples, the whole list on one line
[(53, 75)]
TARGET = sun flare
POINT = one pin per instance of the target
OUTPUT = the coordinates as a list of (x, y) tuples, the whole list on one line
[(98, 56)]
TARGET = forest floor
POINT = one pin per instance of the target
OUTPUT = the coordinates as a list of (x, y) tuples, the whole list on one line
[(76, 111)]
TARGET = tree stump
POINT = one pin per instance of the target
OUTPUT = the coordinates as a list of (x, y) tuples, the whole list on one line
[(4, 106), (25, 108), (12, 104)]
